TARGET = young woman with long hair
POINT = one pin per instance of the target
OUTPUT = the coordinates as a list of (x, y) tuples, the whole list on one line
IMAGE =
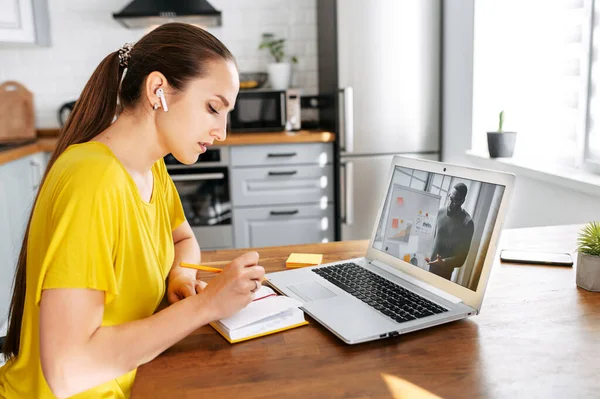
[(107, 231)]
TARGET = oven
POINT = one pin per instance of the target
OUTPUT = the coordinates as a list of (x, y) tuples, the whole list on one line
[(204, 191)]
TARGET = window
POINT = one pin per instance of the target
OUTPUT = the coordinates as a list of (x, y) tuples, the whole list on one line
[(592, 139), (532, 59)]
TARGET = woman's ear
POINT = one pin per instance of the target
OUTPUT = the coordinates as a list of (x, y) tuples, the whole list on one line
[(153, 100)]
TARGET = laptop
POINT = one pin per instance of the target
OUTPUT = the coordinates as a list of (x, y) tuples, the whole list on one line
[(428, 260)]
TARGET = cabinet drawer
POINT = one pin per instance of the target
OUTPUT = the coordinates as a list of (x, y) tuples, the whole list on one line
[(281, 185), (283, 225), (282, 154)]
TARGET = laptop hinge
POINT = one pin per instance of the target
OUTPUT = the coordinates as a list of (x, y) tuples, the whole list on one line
[(413, 280)]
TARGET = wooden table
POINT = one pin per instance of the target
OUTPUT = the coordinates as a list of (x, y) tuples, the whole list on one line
[(538, 335)]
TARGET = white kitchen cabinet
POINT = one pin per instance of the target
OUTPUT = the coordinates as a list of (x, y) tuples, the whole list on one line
[(282, 194), (283, 225), (19, 182), (24, 22)]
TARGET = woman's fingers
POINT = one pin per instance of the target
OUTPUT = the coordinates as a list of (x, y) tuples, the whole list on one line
[(247, 259), (173, 297), (255, 272), (199, 286)]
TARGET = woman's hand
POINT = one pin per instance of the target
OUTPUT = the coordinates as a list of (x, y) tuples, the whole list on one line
[(182, 286), (231, 291)]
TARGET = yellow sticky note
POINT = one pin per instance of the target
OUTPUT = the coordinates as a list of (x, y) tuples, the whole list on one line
[(302, 260)]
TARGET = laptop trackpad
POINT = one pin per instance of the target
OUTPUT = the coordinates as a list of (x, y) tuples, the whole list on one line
[(311, 291)]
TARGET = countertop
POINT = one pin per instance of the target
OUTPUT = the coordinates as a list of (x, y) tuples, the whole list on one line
[(41, 145), (47, 141)]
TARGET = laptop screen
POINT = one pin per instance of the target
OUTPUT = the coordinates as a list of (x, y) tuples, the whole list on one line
[(440, 223)]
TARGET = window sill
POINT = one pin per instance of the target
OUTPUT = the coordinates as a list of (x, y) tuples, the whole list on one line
[(564, 176)]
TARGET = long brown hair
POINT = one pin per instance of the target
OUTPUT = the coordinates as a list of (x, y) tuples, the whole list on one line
[(180, 52)]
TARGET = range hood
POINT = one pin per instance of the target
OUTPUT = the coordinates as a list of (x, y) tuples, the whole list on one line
[(147, 13)]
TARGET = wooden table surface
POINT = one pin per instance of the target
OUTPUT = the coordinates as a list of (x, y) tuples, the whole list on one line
[(538, 335)]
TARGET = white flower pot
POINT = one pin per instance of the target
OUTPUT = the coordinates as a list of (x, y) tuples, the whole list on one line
[(588, 272), (280, 75)]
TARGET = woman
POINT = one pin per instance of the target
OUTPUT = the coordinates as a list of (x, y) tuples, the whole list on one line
[(108, 228)]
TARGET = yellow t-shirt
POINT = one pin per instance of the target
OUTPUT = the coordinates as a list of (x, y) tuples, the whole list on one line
[(91, 229)]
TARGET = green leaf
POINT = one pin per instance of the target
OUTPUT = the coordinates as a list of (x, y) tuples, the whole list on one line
[(588, 241), (275, 46)]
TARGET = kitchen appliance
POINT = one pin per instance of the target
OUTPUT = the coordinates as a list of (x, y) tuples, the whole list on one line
[(292, 109), (383, 82), (64, 111), (265, 110), (148, 13), (17, 120), (204, 192)]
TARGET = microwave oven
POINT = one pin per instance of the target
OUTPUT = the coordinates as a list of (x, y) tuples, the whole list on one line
[(265, 110)]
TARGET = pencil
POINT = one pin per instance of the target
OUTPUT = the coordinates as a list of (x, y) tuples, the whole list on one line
[(200, 267)]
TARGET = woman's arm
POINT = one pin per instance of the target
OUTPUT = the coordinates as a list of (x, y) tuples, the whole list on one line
[(78, 354), (182, 281)]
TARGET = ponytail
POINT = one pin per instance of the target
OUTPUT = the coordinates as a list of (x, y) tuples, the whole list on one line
[(93, 113)]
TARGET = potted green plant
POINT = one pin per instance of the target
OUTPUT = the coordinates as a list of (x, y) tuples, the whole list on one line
[(280, 71), (501, 143), (588, 257)]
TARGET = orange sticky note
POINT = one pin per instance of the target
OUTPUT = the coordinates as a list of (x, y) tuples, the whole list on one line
[(394, 223), (302, 260), (400, 201)]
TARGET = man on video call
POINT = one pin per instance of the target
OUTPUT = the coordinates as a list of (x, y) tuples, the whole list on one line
[(453, 235)]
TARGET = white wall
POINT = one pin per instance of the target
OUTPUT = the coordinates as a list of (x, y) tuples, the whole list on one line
[(84, 32), (534, 203), (537, 203), (457, 79)]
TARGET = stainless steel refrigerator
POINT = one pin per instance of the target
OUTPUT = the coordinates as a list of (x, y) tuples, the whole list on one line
[(380, 65)]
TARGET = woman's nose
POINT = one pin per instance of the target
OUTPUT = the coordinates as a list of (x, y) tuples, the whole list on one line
[(219, 133)]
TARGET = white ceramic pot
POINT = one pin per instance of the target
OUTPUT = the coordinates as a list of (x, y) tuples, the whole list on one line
[(280, 75), (588, 272)]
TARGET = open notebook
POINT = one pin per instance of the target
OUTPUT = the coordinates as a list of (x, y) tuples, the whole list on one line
[(268, 313)]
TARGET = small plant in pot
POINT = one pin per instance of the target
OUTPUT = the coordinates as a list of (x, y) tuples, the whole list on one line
[(588, 258), (501, 143), (280, 71)]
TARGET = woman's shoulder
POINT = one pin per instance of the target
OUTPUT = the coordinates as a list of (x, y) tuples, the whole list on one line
[(90, 162)]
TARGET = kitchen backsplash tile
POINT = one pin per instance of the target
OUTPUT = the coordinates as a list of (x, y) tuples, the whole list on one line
[(82, 34)]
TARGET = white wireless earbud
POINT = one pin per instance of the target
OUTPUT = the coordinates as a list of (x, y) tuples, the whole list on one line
[(161, 94)]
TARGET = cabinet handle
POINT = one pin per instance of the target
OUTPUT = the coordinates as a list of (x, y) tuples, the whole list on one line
[(36, 175), (282, 155), (284, 213), (347, 192), (290, 173), (198, 177), (346, 119)]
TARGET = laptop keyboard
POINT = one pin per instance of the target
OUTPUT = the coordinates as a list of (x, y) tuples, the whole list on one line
[(388, 298)]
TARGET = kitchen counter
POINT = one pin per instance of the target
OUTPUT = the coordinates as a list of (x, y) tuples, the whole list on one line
[(48, 139), (41, 145)]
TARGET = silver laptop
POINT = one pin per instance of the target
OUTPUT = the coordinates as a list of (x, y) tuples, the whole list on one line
[(428, 260)]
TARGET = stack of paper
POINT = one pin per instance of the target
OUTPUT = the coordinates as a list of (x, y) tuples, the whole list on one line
[(302, 260), (268, 313)]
